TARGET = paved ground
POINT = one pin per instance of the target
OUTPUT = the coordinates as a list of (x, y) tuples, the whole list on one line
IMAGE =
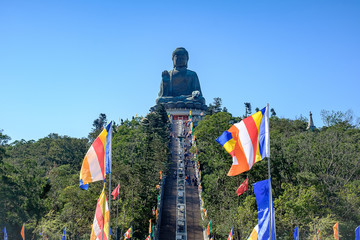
[(168, 219), (194, 229)]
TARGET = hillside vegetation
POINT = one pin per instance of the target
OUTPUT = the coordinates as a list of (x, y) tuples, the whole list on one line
[(39, 180), (315, 178)]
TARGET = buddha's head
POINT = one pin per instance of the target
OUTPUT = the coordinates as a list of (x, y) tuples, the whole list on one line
[(180, 57)]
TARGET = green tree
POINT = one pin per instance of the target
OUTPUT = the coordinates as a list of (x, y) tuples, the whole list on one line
[(247, 109), (98, 125), (315, 178), (215, 107)]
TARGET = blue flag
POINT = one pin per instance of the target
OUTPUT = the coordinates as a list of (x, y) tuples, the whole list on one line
[(108, 148), (296, 233), (357, 233), (64, 235), (261, 190), (5, 234)]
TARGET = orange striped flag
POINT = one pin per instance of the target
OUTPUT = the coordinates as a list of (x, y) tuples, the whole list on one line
[(101, 219), (254, 233), (128, 233), (247, 141), (97, 161)]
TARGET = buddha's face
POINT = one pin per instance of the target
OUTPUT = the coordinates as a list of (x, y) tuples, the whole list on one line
[(180, 60)]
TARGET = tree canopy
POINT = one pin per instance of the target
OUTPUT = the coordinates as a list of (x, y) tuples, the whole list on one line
[(315, 177)]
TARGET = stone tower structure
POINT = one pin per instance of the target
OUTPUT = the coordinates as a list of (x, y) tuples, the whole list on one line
[(311, 125)]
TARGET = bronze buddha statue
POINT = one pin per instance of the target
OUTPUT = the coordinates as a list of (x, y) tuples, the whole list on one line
[(180, 87)]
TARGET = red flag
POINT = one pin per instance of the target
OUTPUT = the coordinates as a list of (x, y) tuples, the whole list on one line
[(243, 187), (115, 193)]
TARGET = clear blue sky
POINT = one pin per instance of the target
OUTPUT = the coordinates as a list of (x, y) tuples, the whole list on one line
[(62, 63)]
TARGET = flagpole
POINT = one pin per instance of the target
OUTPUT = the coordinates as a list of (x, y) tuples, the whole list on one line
[(104, 214), (269, 173), (270, 207), (109, 162), (117, 215), (109, 203)]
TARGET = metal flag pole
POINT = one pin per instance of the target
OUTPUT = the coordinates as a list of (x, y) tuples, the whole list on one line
[(270, 205), (121, 233), (269, 173), (104, 207), (109, 205), (109, 162), (117, 214)]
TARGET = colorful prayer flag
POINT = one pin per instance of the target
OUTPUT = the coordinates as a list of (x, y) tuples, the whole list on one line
[(101, 219), (150, 226), (116, 191), (205, 212), (153, 211), (64, 235), (209, 228), (243, 187), (128, 233), (230, 237), (153, 231), (357, 233), (265, 210), (336, 231), (247, 141), (23, 232), (148, 238), (317, 235), (296, 233), (97, 161), (5, 234), (254, 233)]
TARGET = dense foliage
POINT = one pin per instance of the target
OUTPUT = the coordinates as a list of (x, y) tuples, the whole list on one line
[(315, 178), (39, 180)]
